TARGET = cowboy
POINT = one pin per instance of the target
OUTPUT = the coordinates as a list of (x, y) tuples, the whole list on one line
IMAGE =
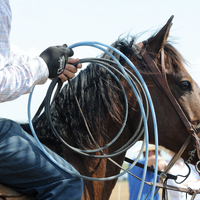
[(23, 166)]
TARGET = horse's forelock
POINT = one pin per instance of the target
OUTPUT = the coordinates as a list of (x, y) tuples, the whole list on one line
[(176, 59)]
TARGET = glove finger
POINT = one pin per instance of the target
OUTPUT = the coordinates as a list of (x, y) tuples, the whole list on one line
[(65, 45), (68, 53), (61, 46)]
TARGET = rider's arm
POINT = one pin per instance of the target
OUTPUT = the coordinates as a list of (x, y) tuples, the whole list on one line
[(16, 80), (18, 74)]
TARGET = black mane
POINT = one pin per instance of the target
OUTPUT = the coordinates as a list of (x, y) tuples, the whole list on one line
[(97, 93)]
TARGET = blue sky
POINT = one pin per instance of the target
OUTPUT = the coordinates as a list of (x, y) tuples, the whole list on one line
[(38, 24)]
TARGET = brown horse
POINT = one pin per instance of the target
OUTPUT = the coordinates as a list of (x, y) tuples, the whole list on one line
[(102, 103)]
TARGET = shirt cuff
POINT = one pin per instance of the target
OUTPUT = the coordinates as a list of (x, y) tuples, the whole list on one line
[(39, 70)]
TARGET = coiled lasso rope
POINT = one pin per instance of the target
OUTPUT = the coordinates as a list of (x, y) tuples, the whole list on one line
[(102, 47)]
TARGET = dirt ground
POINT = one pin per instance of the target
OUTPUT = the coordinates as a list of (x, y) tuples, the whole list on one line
[(120, 192)]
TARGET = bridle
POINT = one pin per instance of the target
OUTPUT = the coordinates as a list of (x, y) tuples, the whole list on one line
[(160, 79)]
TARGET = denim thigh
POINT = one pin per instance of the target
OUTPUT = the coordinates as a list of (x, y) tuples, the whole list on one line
[(25, 168)]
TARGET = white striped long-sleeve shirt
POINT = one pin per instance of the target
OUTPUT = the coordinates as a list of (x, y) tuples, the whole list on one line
[(18, 73)]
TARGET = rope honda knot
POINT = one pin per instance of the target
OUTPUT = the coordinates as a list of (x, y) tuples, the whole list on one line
[(163, 176)]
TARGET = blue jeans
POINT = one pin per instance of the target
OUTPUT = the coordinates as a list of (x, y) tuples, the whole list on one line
[(24, 167)]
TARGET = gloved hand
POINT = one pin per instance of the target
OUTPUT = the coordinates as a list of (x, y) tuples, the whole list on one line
[(56, 58)]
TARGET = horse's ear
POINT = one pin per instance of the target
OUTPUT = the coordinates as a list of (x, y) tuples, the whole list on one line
[(155, 43)]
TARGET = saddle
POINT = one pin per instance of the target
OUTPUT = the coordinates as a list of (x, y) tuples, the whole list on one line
[(7, 193)]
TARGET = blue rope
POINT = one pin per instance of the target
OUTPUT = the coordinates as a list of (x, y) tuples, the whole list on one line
[(146, 139)]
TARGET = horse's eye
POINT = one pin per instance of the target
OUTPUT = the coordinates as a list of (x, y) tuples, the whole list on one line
[(186, 85)]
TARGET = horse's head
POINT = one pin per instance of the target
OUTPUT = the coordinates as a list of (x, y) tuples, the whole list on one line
[(173, 131)]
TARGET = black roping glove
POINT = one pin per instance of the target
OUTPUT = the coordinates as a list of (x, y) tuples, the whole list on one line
[(56, 58)]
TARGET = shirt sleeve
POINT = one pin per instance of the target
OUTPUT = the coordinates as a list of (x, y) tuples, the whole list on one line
[(5, 27), (19, 79), (18, 73)]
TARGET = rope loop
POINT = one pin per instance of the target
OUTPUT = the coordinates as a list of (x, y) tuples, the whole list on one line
[(130, 81)]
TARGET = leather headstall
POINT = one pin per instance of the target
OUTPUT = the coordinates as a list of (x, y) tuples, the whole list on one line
[(160, 78)]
